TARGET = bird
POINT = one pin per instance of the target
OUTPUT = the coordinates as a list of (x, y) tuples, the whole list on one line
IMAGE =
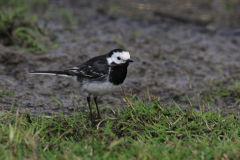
[(98, 76)]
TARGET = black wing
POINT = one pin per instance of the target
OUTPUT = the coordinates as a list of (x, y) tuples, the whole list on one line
[(94, 68)]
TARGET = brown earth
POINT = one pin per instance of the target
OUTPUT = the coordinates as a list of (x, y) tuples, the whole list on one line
[(173, 60)]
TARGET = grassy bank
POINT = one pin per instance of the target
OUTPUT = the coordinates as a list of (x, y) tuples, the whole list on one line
[(146, 130)]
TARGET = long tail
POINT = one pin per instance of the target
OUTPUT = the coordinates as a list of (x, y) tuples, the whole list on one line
[(54, 73)]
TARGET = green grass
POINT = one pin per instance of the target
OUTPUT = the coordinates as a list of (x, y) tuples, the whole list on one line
[(145, 130), (119, 43), (18, 28), (68, 17), (55, 100), (220, 91)]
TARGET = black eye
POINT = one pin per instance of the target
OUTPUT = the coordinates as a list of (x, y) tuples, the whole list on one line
[(118, 58)]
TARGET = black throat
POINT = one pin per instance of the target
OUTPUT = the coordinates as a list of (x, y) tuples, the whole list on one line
[(118, 74)]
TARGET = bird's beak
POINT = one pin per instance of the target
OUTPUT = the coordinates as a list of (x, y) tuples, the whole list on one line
[(129, 61)]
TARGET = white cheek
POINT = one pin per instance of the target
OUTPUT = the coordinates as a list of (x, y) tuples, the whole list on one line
[(109, 60), (116, 60), (119, 61)]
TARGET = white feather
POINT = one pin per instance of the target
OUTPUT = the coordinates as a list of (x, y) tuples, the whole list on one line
[(63, 75), (52, 74), (75, 68), (99, 89)]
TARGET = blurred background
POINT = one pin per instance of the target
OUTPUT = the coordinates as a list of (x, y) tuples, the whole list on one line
[(183, 50), (209, 13)]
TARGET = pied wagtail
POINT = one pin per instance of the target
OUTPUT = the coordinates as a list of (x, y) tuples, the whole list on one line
[(98, 76)]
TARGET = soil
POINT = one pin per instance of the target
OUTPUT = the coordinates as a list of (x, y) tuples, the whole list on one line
[(173, 60)]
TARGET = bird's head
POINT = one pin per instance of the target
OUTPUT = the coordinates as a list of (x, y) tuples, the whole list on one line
[(118, 56)]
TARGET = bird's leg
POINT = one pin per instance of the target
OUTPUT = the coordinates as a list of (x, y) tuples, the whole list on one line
[(89, 105), (95, 100)]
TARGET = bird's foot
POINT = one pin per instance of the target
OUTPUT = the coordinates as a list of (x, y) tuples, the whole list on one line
[(95, 121), (99, 117)]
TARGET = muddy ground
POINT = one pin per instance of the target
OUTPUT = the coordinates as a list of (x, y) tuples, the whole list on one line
[(173, 60)]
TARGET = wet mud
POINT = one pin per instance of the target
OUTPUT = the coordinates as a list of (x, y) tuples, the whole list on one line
[(173, 60)]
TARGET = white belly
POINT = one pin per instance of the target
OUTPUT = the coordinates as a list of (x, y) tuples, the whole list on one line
[(99, 89)]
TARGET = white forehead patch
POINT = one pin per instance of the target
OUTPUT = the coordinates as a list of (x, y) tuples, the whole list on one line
[(119, 57), (124, 55)]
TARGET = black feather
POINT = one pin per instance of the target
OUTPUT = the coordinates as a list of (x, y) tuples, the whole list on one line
[(94, 68)]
